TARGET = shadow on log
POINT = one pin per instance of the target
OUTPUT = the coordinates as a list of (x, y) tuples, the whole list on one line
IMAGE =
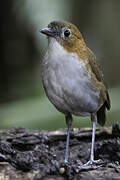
[(39, 155)]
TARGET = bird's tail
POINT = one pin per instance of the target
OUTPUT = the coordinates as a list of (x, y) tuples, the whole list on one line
[(101, 115)]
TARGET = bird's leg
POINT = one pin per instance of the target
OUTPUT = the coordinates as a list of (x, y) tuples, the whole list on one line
[(93, 119), (69, 123), (92, 163)]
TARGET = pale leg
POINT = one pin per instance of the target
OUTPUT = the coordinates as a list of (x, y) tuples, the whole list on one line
[(93, 138), (69, 123), (93, 163)]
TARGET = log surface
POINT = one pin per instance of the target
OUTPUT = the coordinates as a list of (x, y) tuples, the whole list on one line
[(39, 155)]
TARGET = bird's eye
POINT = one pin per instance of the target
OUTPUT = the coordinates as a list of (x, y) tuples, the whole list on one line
[(67, 32)]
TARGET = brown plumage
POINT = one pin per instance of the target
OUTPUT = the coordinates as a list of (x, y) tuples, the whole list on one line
[(96, 69), (73, 79), (77, 44)]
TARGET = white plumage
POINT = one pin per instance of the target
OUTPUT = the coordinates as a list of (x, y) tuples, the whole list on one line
[(67, 82)]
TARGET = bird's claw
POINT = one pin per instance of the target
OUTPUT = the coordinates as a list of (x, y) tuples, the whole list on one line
[(91, 164), (94, 162)]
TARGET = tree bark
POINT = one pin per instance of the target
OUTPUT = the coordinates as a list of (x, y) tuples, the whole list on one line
[(34, 155)]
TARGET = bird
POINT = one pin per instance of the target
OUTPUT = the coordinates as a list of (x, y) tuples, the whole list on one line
[(73, 79)]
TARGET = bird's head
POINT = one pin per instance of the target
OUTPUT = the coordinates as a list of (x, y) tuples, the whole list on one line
[(67, 35)]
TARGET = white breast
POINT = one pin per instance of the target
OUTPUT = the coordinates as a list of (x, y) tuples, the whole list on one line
[(67, 82)]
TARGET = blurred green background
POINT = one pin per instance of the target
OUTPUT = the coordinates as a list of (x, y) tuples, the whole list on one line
[(22, 99)]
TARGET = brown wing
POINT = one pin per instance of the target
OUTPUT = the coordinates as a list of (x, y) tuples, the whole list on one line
[(97, 70), (95, 66)]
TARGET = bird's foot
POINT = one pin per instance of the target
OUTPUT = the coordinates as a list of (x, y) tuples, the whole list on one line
[(65, 161), (92, 164)]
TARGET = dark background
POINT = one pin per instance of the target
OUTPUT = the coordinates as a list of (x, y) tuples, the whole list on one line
[(22, 99)]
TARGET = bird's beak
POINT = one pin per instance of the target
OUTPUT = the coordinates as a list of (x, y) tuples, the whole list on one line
[(48, 31)]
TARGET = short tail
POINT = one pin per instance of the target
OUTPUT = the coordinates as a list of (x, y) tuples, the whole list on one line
[(101, 114)]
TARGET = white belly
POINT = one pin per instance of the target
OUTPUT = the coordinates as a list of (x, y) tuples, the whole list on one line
[(68, 83)]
